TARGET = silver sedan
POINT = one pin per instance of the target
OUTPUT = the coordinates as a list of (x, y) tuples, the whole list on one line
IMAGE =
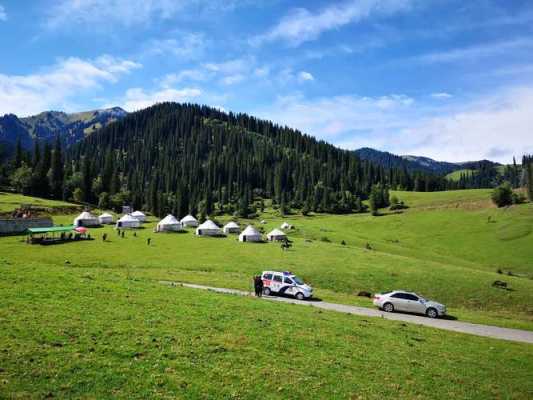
[(399, 300)]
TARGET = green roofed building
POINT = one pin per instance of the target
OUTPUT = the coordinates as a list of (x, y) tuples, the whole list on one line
[(52, 229)]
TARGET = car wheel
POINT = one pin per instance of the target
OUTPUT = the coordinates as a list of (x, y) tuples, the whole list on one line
[(432, 313), (300, 296), (388, 307), (267, 291)]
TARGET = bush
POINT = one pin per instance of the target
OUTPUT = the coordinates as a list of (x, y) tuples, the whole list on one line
[(518, 198), (325, 239), (502, 196)]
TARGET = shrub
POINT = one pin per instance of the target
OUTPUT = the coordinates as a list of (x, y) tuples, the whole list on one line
[(325, 239), (502, 196), (518, 198)]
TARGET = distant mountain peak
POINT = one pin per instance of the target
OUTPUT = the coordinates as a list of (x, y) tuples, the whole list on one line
[(417, 163), (45, 126)]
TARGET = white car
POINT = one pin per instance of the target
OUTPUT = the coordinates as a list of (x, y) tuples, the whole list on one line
[(275, 282), (400, 300)]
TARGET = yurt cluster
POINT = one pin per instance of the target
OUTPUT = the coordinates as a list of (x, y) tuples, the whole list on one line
[(172, 224)]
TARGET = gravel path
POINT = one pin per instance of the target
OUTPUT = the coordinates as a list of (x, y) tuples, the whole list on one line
[(515, 335)]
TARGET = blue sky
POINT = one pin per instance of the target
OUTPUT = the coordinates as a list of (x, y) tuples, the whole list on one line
[(448, 79)]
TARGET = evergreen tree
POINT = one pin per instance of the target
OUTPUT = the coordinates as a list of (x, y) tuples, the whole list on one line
[(57, 172)]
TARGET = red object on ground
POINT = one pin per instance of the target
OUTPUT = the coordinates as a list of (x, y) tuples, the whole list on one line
[(81, 229)]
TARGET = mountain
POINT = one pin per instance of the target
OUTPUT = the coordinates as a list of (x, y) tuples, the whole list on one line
[(420, 164), (47, 125), (184, 158)]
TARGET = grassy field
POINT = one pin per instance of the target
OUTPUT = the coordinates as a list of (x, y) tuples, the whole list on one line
[(84, 332), (91, 317)]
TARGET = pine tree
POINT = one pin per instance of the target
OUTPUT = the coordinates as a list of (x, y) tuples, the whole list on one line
[(57, 173)]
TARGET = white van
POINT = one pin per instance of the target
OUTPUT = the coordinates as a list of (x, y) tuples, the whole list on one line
[(275, 282)]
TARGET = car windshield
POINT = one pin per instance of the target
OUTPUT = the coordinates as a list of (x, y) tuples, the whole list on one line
[(297, 280)]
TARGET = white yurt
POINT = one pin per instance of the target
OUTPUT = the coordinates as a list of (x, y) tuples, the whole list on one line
[(189, 221), (250, 234), (209, 228), (169, 224), (276, 234), (286, 225), (86, 219), (105, 218), (128, 222), (231, 227), (139, 215)]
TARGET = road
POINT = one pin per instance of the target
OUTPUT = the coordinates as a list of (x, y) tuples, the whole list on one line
[(515, 335)]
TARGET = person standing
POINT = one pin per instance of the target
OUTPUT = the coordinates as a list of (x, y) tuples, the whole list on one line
[(258, 285)]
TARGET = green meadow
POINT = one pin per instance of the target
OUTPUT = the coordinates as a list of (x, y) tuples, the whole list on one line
[(90, 319)]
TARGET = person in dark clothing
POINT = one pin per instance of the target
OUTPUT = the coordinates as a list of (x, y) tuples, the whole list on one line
[(258, 285), (104, 237), (148, 241)]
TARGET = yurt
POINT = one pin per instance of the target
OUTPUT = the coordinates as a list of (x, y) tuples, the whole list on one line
[(169, 224), (189, 221), (128, 222), (231, 227), (286, 225), (86, 219), (276, 235), (209, 228), (139, 215), (250, 234), (105, 218)]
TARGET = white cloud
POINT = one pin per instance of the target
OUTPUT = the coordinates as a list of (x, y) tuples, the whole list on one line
[(56, 86), (189, 46), (441, 95), (331, 118), (197, 75), (106, 14), (137, 98), (3, 14), (304, 76), (475, 52), (495, 126), (302, 25)]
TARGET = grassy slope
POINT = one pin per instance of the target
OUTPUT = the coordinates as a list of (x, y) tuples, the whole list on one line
[(443, 247), (11, 201), (100, 333), (456, 175)]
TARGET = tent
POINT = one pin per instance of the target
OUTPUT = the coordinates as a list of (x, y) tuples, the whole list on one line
[(86, 219), (189, 221), (169, 224), (105, 218), (139, 215), (250, 234), (276, 234), (286, 225), (231, 227), (209, 228), (127, 221)]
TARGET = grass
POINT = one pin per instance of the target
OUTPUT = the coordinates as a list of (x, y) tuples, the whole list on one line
[(84, 332), (456, 175), (89, 319), (11, 201), (442, 247)]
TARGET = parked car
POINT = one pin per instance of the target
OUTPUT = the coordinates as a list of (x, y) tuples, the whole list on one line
[(275, 282), (399, 300)]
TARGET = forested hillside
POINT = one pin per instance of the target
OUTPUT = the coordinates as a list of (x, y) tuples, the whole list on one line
[(183, 158), (189, 158)]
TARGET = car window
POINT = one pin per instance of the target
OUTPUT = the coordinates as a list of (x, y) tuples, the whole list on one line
[(288, 281), (277, 278), (267, 277), (411, 297), (399, 295)]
